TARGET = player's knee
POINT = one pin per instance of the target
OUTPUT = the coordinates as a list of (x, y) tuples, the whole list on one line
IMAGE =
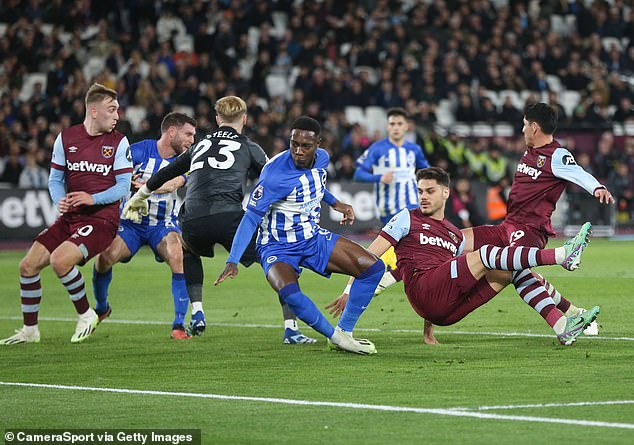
[(103, 262), (60, 264), (288, 293), (374, 273), (28, 267)]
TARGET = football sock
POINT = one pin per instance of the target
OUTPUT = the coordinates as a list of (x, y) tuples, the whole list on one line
[(30, 294), (531, 290), (291, 324), (560, 325), (100, 285), (305, 309), (361, 294), (194, 276), (73, 281), (516, 258), (197, 306), (181, 300)]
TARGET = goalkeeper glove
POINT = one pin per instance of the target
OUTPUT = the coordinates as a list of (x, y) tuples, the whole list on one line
[(137, 206)]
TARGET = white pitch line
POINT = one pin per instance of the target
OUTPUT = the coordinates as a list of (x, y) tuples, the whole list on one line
[(275, 326), (363, 406), (548, 405)]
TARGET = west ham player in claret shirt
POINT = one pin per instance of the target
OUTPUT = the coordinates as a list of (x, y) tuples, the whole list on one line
[(91, 170), (442, 285), (541, 177)]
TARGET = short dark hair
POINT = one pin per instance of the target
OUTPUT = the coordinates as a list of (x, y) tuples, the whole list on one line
[(543, 115), (306, 123), (176, 119), (436, 173), (397, 111)]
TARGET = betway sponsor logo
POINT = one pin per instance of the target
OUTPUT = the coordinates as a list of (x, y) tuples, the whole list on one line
[(438, 241), (530, 171), (33, 209), (85, 166)]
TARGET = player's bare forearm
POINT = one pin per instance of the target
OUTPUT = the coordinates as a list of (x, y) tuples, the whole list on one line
[(379, 246), (231, 270), (171, 185)]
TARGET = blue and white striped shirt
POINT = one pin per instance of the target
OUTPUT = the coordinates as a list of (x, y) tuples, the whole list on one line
[(382, 157), (289, 199), (147, 160)]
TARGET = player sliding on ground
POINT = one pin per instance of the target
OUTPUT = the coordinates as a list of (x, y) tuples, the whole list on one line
[(285, 204), (442, 285)]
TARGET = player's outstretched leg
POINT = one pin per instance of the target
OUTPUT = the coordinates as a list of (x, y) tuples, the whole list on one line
[(181, 302), (520, 258)]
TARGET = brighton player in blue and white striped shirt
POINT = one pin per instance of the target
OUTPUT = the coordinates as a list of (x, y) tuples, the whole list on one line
[(286, 204), (159, 228), (391, 163)]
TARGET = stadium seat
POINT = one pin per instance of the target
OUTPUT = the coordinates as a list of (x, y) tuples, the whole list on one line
[(607, 43), (569, 100), (376, 118), (277, 85), (628, 127), (462, 130), (444, 114), (504, 130), (481, 129), (135, 115), (185, 109), (184, 42), (617, 129), (93, 67), (280, 20), (29, 82), (515, 98), (373, 76), (3, 29), (554, 82), (356, 115), (253, 39)]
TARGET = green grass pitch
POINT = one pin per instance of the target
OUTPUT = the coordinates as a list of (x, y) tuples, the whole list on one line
[(482, 385)]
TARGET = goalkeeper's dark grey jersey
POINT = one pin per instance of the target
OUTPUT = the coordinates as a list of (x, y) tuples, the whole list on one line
[(219, 166)]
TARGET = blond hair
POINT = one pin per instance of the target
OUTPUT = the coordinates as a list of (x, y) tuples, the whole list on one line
[(230, 108), (98, 92)]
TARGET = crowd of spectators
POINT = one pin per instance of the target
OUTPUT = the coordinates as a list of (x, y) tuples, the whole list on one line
[(161, 55)]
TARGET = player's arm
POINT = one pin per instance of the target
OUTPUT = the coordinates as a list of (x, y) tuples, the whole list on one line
[(421, 160), (247, 227), (565, 167), (258, 160), (122, 169), (363, 172), (57, 176), (137, 205), (345, 209), (171, 185)]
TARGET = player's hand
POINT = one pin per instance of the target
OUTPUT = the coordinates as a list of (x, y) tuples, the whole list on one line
[(428, 334), (346, 210), (76, 199), (387, 178), (336, 307), (63, 206), (231, 270), (135, 208), (604, 196), (136, 183)]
